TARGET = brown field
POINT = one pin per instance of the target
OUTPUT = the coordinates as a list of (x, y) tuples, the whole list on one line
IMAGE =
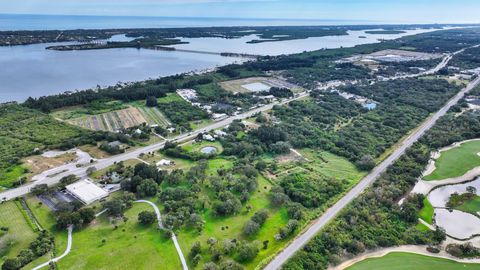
[(38, 164), (236, 86)]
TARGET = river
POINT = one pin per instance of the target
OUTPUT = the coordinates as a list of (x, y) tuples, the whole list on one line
[(33, 71)]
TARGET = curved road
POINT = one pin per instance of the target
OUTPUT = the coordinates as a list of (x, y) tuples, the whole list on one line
[(174, 238), (69, 248), (332, 212)]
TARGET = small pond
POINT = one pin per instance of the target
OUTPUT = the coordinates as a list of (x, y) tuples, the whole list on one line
[(457, 224), (208, 150), (370, 106)]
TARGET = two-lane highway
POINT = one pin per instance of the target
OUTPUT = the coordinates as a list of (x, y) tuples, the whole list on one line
[(332, 212), (71, 169)]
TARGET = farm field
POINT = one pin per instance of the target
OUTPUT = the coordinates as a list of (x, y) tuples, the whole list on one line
[(407, 261), (456, 161), (112, 116), (111, 121), (19, 235)]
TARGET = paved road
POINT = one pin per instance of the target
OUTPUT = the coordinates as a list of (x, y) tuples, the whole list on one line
[(69, 248), (81, 172), (174, 237), (332, 212)]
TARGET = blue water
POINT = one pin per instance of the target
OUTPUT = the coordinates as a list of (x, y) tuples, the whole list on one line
[(370, 106), (65, 22)]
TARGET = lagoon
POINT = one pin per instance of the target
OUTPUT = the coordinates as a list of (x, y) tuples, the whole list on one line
[(33, 71)]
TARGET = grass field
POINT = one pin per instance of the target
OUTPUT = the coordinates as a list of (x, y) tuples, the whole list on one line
[(456, 161), (408, 261), (332, 165), (213, 225), (427, 211), (19, 234), (11, 175), (472, 206), (130, 246), (197, 147)]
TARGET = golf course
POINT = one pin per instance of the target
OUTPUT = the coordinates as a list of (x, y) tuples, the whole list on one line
[(407, 261), (456, 161)]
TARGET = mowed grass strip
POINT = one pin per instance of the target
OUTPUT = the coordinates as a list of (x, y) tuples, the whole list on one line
[(427, 211), (471, 206), (408, 261), (19, 234), (456, 161)]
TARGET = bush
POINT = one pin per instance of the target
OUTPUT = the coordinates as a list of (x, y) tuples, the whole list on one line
[(247, 251), (251, 228), (147, 217)]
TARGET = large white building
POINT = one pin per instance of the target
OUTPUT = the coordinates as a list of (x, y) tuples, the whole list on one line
[(86, 191)]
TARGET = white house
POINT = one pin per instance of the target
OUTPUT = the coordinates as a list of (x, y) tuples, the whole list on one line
[(86, 191), (208, 137), (165, 162)]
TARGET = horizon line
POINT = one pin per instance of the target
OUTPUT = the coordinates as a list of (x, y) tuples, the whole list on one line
[(245, 18)]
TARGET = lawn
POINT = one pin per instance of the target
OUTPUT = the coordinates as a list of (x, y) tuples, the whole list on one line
[(197, 147), (130, 246), (471, 206), (456, 161), (407, 261), (427, 211), (19, 235)]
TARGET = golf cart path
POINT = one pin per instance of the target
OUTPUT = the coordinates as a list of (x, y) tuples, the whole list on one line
[(420, 250), (69, 248), (174, 238)]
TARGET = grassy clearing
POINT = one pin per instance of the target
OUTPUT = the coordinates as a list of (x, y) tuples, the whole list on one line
[(331, 165), (471, 206), (198, 146), (427, 212), (19, 234), (12, 174), (179, 163), (456, 161), (94, 151), (407, 261), (231, 227), (130, 246)]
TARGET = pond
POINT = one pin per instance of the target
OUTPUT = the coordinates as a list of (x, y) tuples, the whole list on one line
[(208, 150), (370, 106), (457, 224), (440, 196)]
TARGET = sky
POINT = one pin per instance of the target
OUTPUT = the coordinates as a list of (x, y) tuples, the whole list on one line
[(405, 11)]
